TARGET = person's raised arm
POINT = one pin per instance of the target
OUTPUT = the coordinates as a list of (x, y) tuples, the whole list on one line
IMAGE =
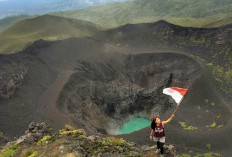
[(169, 120)]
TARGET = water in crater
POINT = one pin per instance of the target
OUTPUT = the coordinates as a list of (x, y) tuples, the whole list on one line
[(134, 125)]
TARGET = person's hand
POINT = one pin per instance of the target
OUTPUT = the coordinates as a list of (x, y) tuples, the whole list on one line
[(150, 137)]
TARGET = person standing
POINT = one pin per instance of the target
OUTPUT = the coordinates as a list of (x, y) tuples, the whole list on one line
[(158, 134)]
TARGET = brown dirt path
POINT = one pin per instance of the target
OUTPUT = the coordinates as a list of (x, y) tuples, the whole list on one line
[(47, 102)]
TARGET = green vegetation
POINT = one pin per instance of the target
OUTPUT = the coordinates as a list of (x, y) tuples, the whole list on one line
[(212, 104), (187, 127), (209, 154), (184, 155), (10, 151), (223, 75), (46, 138), (208, 146), (29, 153), (198, 58), (112, 141), (210, 64), (219, 126), (218, 116), (23, 33), (214, 125), (69, 130), (181, 12), (6, 22)]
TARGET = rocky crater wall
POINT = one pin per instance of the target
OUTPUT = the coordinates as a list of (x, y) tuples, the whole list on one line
[(103, 96), (11, 77)]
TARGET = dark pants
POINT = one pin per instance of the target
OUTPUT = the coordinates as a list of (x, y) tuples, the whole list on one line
[(160, 146)]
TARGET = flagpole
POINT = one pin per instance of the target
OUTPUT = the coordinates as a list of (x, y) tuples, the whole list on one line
[(178, 105)]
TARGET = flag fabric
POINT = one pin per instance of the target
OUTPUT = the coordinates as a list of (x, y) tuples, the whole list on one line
[(176, 93)]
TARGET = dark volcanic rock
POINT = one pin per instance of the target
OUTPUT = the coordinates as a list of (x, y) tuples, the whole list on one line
[(108, 95), (74, 142), (11, 77), (34, 133)]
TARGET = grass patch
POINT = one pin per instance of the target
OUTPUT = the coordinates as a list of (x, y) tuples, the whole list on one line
[(81, 137), (208, 154), (208, 146), (111, 141), (9, 152), (219, 126), (187, 127), (218, 116), (30, 153), (210, 64), (212, 104), (213, 125), (46, 138), (70, 130), (184, 155)]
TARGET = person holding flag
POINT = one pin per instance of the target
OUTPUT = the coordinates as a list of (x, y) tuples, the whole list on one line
[(157, 132)]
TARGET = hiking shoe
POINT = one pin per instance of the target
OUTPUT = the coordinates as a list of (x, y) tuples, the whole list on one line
[(157, 151)]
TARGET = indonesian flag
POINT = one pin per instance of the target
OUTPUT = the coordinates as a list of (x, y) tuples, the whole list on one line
[(176, 93)]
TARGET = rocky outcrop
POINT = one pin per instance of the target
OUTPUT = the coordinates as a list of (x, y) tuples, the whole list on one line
[(34, 133), (11, 77), (71, 142)]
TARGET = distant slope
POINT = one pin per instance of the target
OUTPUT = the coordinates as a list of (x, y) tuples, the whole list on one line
[(6, 22), (18, 7), (45, 27), (212, 45), (192, 13)]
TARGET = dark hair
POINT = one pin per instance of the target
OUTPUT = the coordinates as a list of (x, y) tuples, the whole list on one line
[(153, 124)]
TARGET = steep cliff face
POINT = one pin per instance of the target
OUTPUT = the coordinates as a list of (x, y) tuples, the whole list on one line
[(106, 95)]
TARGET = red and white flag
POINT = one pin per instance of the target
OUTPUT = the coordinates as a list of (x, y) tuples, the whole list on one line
[(176, 93)]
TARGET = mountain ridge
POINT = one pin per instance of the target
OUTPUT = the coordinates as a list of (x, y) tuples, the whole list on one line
[(21, 34), (186, 13)]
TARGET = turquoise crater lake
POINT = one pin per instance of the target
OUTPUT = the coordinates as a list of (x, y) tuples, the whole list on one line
[(134, 125)]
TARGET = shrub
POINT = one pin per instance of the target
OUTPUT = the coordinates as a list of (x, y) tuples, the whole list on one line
[(46, 138), (30, 153), (111, 141), (9, 152)]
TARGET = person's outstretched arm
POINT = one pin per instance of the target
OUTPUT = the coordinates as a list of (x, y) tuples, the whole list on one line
[(169, 119), (152, 132)]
